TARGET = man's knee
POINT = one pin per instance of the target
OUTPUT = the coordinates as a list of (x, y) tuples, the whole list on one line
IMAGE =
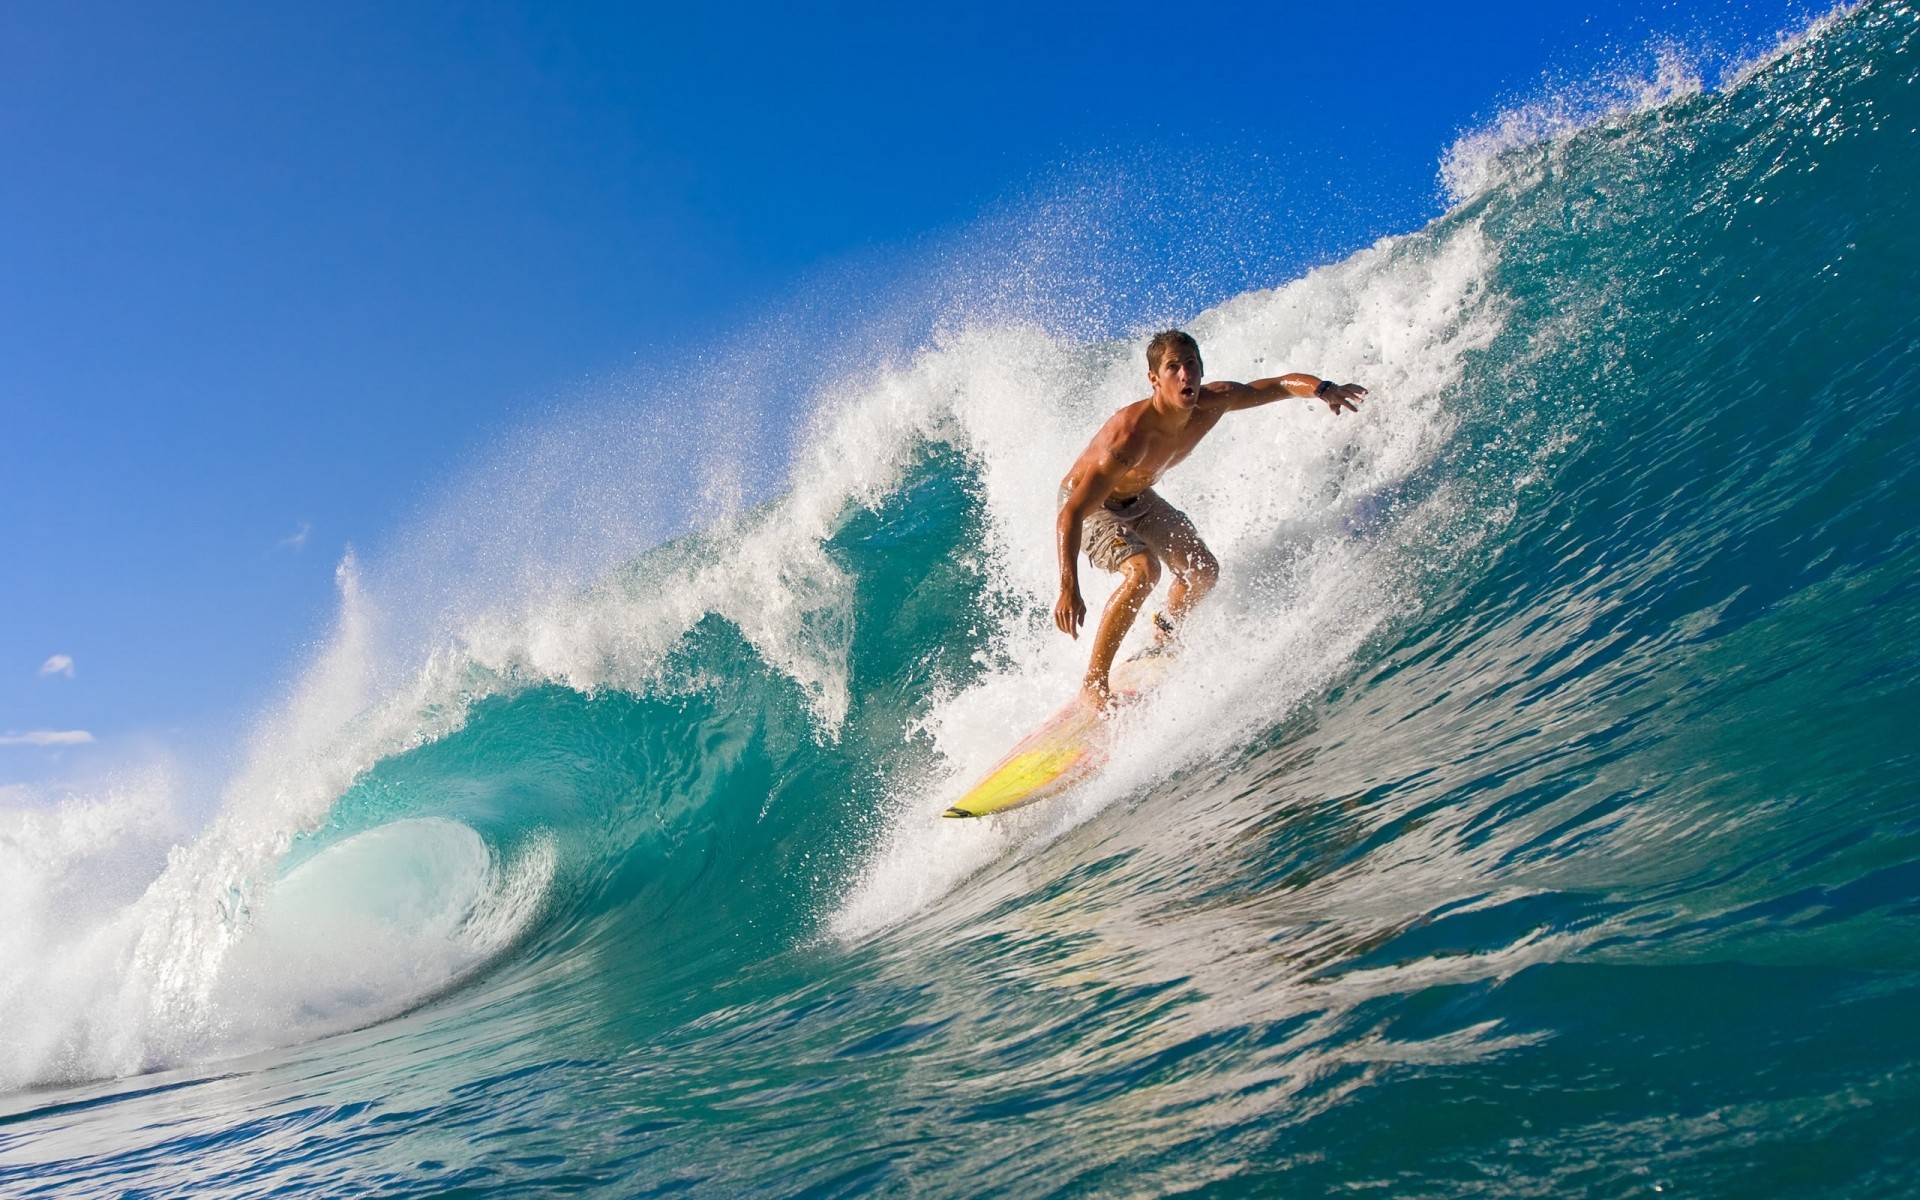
[(1206, 568), (1198, 567), (1140, 573)]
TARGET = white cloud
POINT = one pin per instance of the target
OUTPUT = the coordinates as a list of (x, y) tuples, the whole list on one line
[(298, 538), (47, 737), (59, 664)]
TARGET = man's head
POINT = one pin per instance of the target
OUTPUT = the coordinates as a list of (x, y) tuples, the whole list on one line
[(1166, 341), (1174, 367)]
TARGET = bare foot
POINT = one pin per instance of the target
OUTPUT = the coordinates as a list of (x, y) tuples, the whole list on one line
[(1105, 702)]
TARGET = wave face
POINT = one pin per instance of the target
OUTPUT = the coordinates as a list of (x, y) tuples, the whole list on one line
[(1536, 811)]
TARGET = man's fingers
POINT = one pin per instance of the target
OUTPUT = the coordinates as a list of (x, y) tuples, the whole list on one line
[(1067, 618)]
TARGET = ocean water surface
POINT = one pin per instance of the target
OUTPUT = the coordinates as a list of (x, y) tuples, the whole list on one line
[(1536, 810)]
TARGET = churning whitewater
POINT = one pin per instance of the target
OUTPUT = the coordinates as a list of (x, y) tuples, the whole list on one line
[(1534, 809)]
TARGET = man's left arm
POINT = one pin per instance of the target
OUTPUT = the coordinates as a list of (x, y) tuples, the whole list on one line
[(1340, 397)]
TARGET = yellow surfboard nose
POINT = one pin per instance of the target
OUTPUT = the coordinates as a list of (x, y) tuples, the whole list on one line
[(1068, 748), (1021, 777)]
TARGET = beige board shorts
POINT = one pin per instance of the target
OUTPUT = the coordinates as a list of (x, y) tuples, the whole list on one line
[(1143, 524)]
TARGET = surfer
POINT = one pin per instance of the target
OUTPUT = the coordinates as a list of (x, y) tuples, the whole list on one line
[(1108, 504)]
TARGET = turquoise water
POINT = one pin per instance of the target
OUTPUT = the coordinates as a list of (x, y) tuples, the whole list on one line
[(1536, 811)]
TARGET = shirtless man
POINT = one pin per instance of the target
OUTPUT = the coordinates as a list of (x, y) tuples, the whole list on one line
[(1128, 528)]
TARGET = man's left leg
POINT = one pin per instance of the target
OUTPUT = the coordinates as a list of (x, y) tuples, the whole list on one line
[(1173, 539), (1193, 577)]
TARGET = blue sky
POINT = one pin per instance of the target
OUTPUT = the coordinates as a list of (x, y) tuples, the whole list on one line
[(269, 273)]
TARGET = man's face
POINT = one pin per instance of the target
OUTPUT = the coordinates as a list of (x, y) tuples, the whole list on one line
[(1178, 379)]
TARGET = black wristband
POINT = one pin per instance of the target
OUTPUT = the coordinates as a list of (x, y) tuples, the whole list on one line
[(1321, 391)]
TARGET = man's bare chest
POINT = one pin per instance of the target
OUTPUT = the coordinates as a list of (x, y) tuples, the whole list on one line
[(1150, 454)]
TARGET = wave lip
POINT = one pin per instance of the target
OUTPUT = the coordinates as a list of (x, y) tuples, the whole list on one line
[(1483, 158)]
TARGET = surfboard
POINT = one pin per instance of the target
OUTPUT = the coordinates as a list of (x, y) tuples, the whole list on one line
[(1068, 748)]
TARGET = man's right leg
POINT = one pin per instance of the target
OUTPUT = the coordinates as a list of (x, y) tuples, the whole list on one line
[(1138, 575)]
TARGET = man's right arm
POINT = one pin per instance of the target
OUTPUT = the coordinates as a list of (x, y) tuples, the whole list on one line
[(1094, 485)]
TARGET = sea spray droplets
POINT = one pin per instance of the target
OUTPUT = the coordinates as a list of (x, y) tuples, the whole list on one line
[(1491, 155), (1474, 163)]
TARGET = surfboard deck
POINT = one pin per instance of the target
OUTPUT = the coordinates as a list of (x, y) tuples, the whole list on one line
[(1067, 748)]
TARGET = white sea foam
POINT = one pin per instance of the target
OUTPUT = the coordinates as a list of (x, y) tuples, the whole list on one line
[(70, 867)]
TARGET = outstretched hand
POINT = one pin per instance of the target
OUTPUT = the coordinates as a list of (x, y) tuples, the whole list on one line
[(1069, 612), (1348, 394)]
